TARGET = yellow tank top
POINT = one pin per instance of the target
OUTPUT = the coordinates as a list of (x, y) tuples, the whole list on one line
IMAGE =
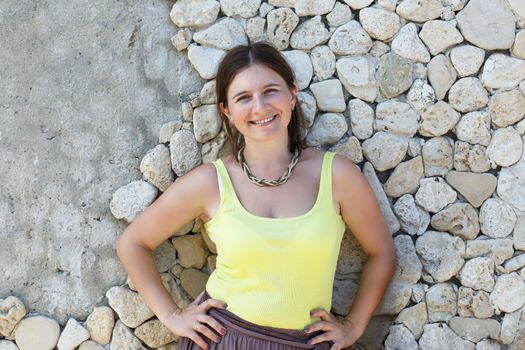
[(273, 271)]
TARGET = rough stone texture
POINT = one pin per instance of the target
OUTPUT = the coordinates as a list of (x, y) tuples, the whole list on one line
[(206, 123), (154, 334), (380, 24), (129, 200), (472, 303), (469, 157), (385, 150), (129, 306), (511, 184), (350, 39), (301, 65), (185, 152), (509, 326), (414, 318), (156, 167), (438, 119), (441, 300), (505, 148), (309, 34), (225, 34), (37, 332), (191, 250), (405, 178), (407, 44), (12, 310), (434, 194), (412, 218), (394, 75), (397, 118), (498, 249), (357, 74), (400, 337), (281, 23), (323, 62), (313, 7), (350, 148), (497, 218), (439, 335), (245, 8), (340, 14), (478, 273), (441, 254), (329, 95), (439, 36), (100, 324), (475, 330), (384, 204), (467, 94), (501, 72), (205, 60), (459, 218), (438, 156), (72, 336), (361, 119), (467, 59), (507, 107), (509, 293), (488, 24), (123, 339)]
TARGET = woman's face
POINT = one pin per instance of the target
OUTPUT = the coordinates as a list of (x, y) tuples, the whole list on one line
[(260, 103)]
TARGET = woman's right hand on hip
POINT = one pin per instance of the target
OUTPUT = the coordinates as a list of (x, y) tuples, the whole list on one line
[(193, 321)]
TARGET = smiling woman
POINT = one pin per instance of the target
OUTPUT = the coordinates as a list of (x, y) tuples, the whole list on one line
[(276, 251)]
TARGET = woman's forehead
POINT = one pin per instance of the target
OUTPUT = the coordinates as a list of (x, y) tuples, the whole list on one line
[(254, 77)]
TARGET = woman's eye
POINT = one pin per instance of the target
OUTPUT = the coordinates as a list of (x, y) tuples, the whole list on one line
[(271, 90)]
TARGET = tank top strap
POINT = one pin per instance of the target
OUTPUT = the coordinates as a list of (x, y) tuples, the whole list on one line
[(325, 185), (225, 187)]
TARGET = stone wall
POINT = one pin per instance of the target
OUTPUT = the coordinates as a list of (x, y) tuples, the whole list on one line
[(440, 85)]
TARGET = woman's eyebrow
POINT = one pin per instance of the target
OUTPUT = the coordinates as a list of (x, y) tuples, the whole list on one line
[(264, 87)]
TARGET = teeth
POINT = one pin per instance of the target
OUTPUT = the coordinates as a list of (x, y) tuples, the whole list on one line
[(264, 120)]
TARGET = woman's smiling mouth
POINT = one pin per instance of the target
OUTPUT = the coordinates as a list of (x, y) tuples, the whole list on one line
[(264, 121)]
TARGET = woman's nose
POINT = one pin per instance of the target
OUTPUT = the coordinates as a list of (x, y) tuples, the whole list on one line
[(259, 103)]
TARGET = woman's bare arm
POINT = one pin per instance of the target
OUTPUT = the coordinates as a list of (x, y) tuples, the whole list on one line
[(361, 213), (186, 199)]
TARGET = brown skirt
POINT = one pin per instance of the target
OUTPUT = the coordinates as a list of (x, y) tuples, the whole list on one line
[(245, 335)]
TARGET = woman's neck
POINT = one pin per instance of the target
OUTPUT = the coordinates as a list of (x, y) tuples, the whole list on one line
[(267, 159)]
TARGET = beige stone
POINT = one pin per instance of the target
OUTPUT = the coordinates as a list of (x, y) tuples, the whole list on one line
[(473, 303), (12, 310), (193, 281), (191, 250), (100, 324), (405, 178), (37, 332), (438, 119), (129, 306), (459, 218), (441, 300), (414, 318), (90, 345), (474, 329), (154, 334), (474, 187), (72, 336), (123, 339), (498, 249)]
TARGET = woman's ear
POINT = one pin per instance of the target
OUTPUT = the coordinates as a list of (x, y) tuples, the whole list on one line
[(294, 90), (223, 109)]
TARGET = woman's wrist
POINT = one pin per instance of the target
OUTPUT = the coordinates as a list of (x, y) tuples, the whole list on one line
[(358, 326)]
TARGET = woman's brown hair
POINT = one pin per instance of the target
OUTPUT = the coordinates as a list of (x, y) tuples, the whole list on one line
[(241, 57)]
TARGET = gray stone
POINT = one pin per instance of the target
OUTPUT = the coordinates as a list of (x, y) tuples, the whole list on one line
[(467, 94), (439, 36), (313, 7), (511, 184), (351, 256), (255, 28), (475, 330), (224, 34), (339, 15), (419, 10), (380, 24), (434, 194), (474, 127), (478, 273), (328, 128), (507, 107), (206, 122), (205, 60), (131, 199), (441, 254), (308, 106), (469, 157), (413, 219), (194, 13), (497, 218), (385, 150), (439, 336), (509, 293), (357, 74), (421, 95), (309, 34), (129, 306), (154, 334), (350, 39), (244, 8), (72, 336), (361, 119), (185, 152), (281, 23), (123, 339), (472, 303), (182, 39), (438, 119), (397, 118), (441, 300), (515, 263), (329, 95), (505, 148), (358, 4), (394, 75), (301, 65), (487, 24), (399, 337), (323, 62), (384, 204), (459, 218), (414, 318), (509, 326), (156, 167), (438, 156), (519, 233), (518, 48), (467, 59), (407, 44), (350, 148), (498, 249), (168, 129), (405, 178), (502, 72)]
